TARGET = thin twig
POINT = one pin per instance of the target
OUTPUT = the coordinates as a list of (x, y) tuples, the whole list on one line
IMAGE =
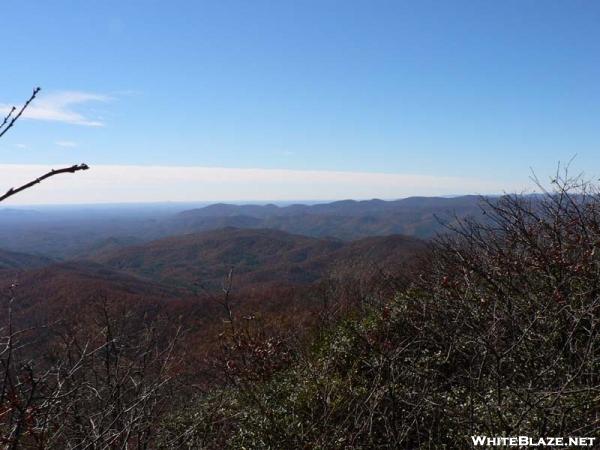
[(11, 121)]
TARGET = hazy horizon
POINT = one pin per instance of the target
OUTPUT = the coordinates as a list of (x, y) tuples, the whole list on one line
[(153, 184)]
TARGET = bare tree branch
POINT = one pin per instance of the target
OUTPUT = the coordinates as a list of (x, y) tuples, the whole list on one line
[(8, 116), (10, 119), (72, 169)]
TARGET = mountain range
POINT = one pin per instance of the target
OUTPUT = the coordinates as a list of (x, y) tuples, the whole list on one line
[(79, 233), (71, 255)]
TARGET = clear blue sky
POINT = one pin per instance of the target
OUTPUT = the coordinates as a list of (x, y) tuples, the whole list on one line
[(473, 89)]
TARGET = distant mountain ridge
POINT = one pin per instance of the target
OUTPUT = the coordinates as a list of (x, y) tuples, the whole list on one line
[(340, 208), (421, 217)]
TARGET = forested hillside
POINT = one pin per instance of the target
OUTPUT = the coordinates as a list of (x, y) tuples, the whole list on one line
[(256, 256)]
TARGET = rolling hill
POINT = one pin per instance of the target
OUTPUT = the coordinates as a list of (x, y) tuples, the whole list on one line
[(257, 256), (18, 260)]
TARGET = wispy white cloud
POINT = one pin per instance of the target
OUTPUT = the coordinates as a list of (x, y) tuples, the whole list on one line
[(22, 146), (63, 106), (67, 144), (158, 183)]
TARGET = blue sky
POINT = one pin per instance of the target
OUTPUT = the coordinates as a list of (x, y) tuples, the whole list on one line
[(469, 91)]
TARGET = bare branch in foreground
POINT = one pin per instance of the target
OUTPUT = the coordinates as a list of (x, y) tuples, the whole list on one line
[(72, 169), (10, 120)]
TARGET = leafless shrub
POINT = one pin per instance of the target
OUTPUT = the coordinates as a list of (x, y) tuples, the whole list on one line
[(100, 386)]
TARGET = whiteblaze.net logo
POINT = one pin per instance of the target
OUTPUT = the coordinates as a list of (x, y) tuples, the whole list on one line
[(526, 441)]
